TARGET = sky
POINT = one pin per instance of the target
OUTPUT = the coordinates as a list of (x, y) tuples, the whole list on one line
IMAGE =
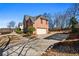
[(16, 11)]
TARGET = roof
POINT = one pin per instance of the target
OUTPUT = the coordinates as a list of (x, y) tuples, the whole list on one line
[(26, 17)]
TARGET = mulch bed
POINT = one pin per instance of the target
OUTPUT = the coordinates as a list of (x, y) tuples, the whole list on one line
[(69, 47), (73, 36), (56, 53)]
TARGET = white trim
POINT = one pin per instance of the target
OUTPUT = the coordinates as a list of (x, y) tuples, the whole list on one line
[(41, 31)]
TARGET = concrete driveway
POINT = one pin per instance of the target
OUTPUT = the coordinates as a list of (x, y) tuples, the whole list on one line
[(29, 47), (58, 36)]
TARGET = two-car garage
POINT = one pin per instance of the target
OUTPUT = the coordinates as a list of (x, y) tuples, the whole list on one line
[(41, 31)]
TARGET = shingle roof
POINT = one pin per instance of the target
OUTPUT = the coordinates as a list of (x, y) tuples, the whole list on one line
[(26, 17)]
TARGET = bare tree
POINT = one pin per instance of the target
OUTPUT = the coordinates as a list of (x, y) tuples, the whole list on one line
[(50, 19), (62, 20), (73, 11), (59, 20), (11, 24)]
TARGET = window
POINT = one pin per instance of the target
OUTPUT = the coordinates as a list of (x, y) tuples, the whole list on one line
[(46, 21), (41, 21)]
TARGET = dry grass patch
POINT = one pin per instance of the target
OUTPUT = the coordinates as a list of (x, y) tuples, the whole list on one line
[(13, 39)]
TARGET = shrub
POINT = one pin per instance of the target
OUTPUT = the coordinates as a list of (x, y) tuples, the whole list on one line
[(18, 30), (31, 29), (25, 30)]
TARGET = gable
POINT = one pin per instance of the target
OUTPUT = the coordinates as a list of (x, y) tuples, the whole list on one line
[(33, 19), (40, 20), (29, 21)]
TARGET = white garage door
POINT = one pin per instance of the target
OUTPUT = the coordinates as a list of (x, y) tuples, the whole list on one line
[(41, 31)]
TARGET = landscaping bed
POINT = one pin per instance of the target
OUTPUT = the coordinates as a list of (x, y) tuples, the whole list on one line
[(56, 53), (69, 47), (73, 36), (58, 36)]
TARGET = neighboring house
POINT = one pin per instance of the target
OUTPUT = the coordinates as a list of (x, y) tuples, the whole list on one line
[(40, 23), (20, 25), (77, 26)]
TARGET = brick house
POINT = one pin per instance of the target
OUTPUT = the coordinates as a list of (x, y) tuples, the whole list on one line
[(40, 23)]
